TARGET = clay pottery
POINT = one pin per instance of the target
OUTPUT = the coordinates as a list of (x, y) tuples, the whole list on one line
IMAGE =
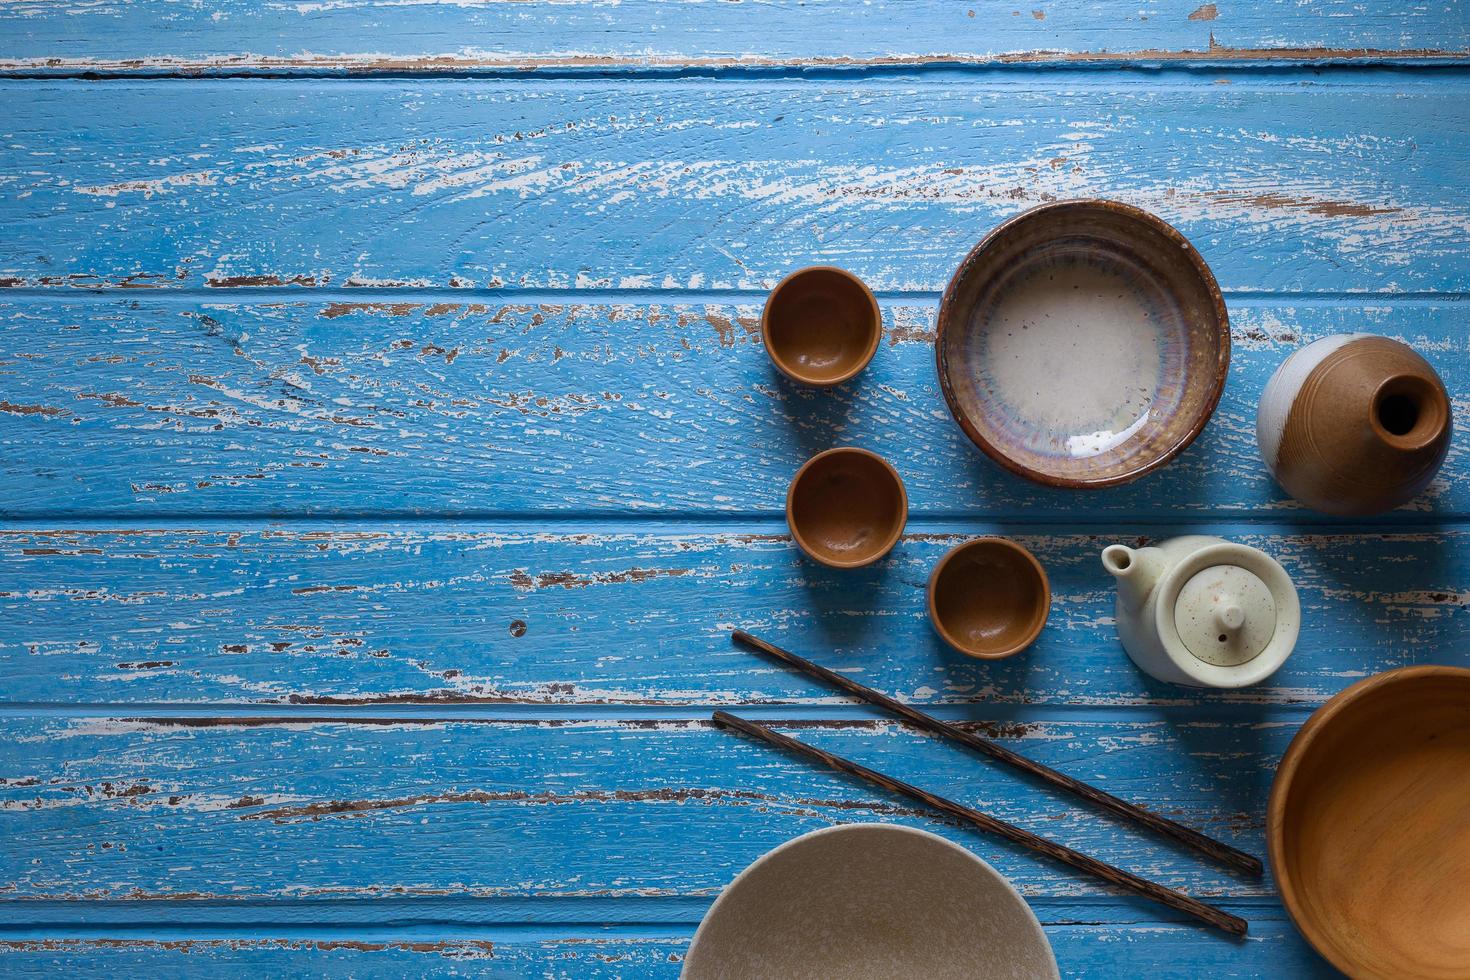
[(1204, 612), (846, 507), (1368, 826), (869, 902), (821, 325), (989, 598), (1354, 424), (1083, 344)]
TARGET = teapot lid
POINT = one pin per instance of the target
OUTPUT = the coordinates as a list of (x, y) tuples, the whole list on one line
[(1225, 615)]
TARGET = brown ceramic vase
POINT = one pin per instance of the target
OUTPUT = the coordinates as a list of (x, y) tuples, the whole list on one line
[(821, 325), (1354, 424), (989, 598), (1369, 826), (846, 507)]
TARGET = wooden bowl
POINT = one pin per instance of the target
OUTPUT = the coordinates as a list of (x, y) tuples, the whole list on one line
[(846, 507), (1083, 344), (1369, 826), (869, 901), (821, 325), (989, 598)]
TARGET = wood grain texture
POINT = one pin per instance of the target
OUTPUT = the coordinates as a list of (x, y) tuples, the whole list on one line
[(1083, 950), (432, 405), (1374, 782), (1331, 185), (483, 340), (1223, 853), (388, 956), (239, 809), (270, 614), (361, 35), (985, 823)]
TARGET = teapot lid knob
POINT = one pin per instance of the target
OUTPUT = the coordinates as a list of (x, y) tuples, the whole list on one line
[(1229, 617), (1225, 615)]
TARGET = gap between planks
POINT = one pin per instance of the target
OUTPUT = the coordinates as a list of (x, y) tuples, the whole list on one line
[(607, 296), (1152, 63), (1157, 69), (38, 919), (1290, 521), (856, 715)]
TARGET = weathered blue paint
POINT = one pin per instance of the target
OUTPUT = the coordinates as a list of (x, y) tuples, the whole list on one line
[(640, 615), (434, 406), (288, 808), (364, 584), (282, 809), (1102, 950), (233, 35), (1283, 182)]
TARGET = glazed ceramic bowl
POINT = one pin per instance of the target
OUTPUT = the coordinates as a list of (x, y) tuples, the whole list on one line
[(989, 598), (869, 902), (1083, 344), (821, 325), (846, 507), (1369, 826)]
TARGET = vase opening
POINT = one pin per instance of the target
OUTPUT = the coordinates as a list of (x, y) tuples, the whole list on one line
[(1398, 414), (1409, 411)]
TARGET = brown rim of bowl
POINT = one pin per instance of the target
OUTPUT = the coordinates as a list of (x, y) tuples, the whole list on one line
[(1016, 647), (1291, 760), (892, 539), (873, 340), (1222, 366)]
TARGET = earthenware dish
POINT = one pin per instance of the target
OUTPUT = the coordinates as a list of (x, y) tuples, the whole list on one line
[(1202, 611), (821, 325), (1083, 344), (846, 507), (989, 598), (864, 902), (1354, 424), (1369, 826)]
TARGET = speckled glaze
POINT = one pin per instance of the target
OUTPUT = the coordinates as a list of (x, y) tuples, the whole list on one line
[(1204, 612), (869, 902), (1083, 344), (1354, 424), (989, 598), (846, 507), (1367, 826), (821, 325)]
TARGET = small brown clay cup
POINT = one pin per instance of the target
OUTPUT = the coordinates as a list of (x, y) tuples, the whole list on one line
[(821, 325), (989, 598), (846, 507)]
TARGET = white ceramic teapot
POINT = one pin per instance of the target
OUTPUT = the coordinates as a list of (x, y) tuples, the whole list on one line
[(1201, 611)]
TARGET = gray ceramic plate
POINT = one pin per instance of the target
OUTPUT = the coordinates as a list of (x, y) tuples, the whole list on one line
[(869, 901)]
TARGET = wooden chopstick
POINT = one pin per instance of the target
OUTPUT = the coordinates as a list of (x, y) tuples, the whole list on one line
[(1221, 852), (1218, 918)]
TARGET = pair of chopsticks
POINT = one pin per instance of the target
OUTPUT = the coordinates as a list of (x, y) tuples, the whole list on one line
[(1221, 852)]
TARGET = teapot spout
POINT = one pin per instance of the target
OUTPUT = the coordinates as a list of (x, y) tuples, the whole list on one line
[(1136, 570)]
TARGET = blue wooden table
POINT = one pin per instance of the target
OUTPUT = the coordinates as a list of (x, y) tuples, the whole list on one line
[(388, 448)]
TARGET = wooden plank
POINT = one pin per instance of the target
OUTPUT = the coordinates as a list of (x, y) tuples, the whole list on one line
[(572, 958), (363, 35), (1273, 950), (1092, 950), (471, 614), (150, 407), (234, 809), (698, 184)]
